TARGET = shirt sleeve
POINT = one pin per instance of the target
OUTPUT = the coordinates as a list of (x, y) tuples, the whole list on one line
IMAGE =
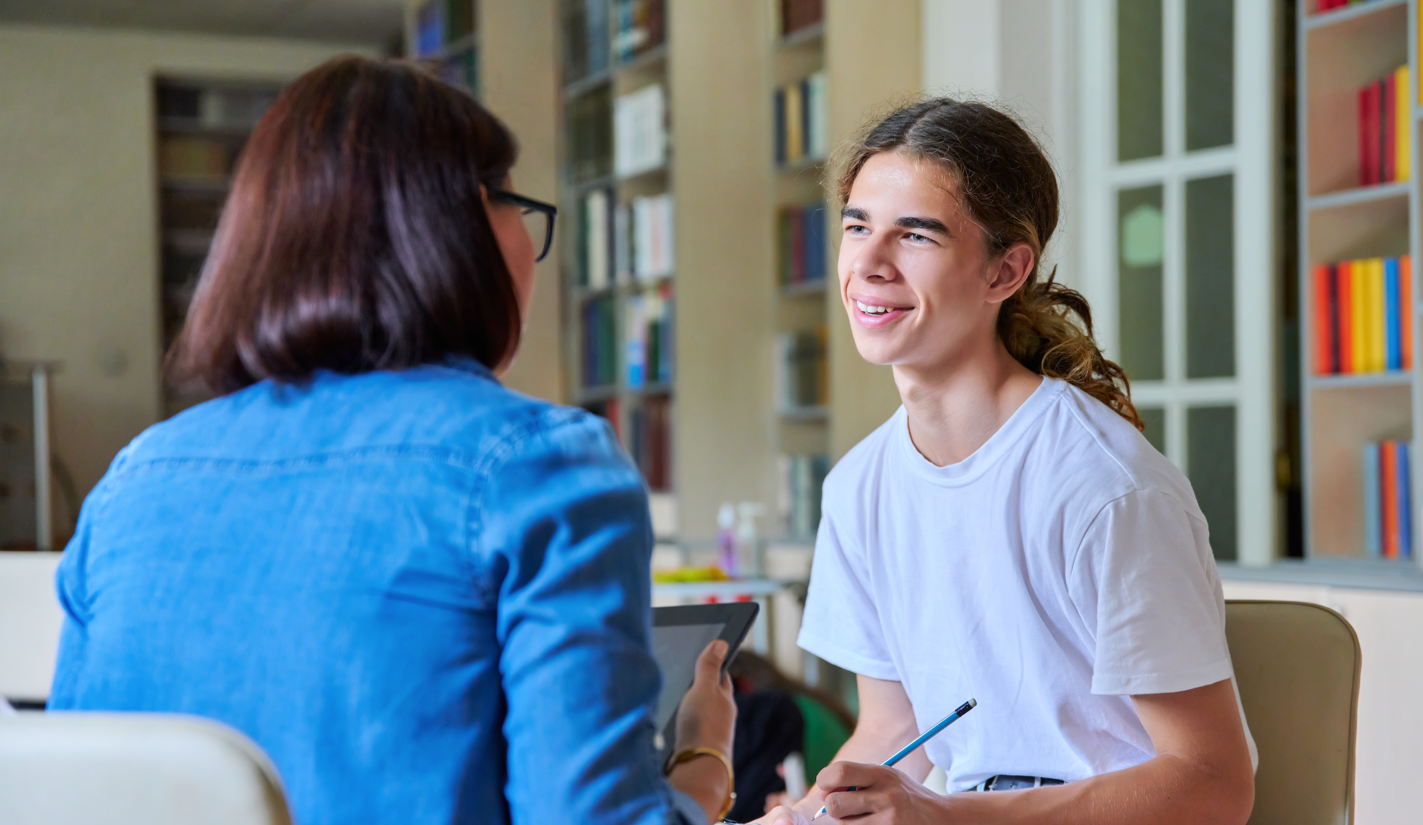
[(565, 515), (1146, 586), (841, 623)]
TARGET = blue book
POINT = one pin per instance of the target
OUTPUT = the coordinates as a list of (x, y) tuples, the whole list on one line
[(780, 126), (1392, 338), (814, 235), (1373, 523), (1405, 500)]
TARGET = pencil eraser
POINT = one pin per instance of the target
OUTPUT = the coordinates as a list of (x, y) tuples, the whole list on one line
[(973, 703)]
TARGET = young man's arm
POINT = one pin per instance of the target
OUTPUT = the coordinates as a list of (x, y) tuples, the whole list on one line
[(1201, 773)]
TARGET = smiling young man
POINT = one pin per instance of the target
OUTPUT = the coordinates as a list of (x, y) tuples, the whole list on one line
[(1008, 535)]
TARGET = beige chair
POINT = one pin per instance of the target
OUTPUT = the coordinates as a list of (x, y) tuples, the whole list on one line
[(133, 769), (1297, 666)]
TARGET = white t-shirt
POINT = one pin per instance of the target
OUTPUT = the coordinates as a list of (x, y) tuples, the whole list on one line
[(1060, 568)]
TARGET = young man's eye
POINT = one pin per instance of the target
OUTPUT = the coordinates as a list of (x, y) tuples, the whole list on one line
[(916, 237), (856, 229)]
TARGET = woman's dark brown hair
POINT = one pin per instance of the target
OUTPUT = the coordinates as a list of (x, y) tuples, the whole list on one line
[(355, 237), (1007, 186)]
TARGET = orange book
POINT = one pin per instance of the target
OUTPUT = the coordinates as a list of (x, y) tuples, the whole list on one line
[(1405, 309), (1388, 492), (1345, 308)]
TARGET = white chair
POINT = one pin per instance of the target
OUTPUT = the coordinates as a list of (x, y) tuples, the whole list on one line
[(133, 769)]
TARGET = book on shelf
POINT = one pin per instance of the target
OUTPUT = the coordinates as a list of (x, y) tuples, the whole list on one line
[(190, 157), (586, 38), (1383, 129), (640, 131), (800, 120), (647, 339), (429, 28), (804, 369), (600, 342), (1361, 319), (800, 14), (802, 243), (1388, 512), (643, 240), (594, 264), (590, 135), (642, 26), (650, 440), (802, 480)]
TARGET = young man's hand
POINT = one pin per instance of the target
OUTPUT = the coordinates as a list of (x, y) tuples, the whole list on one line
[(881, 796)]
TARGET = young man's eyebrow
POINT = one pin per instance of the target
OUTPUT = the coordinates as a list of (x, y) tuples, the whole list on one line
[(854, 213), (927, 224)]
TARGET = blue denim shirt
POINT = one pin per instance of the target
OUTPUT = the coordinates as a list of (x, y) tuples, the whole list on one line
[(426, 596)]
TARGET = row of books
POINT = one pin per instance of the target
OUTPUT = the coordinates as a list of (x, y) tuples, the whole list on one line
[(440, 22), (586, 38), (642, 26), (600, 342), (1361, 318), (1388, 514), (590, 135), (648, 338), (800, 14), (187, 157), (1383, 129), (801, 243), (804, 369), (633, 241), (218, 108), (640, 131), (802, 479), (800, 117), (649, 441)]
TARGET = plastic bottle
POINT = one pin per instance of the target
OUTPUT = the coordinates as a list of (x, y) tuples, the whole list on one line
[(726, 540), (748, 543)]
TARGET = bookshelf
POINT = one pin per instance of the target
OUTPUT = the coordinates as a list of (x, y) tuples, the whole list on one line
[(1359, 229), (201, 127), (444, 35)]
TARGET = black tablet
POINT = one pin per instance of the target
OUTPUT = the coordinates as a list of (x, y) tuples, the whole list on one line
[(679, 635)]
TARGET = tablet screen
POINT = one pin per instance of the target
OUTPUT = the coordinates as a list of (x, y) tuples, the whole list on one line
[(676, 648)]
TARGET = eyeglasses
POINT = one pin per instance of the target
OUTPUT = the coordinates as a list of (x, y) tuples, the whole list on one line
[(538, 217)]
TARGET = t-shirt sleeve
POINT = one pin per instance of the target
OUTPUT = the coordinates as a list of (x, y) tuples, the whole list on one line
[(1146, 586), (841, 623)]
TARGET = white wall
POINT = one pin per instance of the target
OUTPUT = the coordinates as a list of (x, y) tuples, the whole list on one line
[(79, 253)]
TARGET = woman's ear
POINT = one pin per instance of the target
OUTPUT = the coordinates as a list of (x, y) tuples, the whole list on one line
[(1011, 270)]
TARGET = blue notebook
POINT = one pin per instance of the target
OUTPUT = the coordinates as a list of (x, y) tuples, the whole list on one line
[(1373, 524), (1393, 341), (1405, 500)]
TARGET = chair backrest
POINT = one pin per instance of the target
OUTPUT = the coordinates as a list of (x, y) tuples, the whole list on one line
[(1297, 667), (133, 769)]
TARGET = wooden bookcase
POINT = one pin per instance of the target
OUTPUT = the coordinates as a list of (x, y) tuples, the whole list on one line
[(201, 125), (1340, 51)]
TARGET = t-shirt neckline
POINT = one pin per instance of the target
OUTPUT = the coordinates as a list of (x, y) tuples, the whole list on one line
[(988, 453)]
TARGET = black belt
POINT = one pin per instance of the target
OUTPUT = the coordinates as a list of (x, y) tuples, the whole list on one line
[(1003, 782)]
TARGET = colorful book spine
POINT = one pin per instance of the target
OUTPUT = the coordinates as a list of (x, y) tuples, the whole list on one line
[(799, 112), (802, 244), (1387, 499), (1361, 320), (1383, 118)]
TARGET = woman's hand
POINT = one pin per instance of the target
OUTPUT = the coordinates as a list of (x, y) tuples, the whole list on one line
[(707, 715), (706, 719), (882, 796)]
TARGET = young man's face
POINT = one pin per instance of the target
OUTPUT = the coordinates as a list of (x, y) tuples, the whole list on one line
[(915, 276)]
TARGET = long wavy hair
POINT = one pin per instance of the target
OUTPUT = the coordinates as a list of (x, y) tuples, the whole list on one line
[(1008, 188)]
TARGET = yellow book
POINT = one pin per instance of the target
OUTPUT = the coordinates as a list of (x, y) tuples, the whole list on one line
[(1358, 310), (1378, 341), (1403, 117), (795, 133)]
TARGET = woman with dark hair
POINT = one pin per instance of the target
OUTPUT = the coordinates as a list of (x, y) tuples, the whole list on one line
[(1008, 535), (427, 597)]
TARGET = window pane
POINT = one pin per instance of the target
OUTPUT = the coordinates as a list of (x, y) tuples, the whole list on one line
[(1210, 277), (1155, 420), (1210, 464), (1210, 73), (1140, 227), (1139, 108)]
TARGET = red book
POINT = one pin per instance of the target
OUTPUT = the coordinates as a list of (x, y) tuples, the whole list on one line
[(1366, 157), (1405, 309), (1387, 110), (1388, 492), (1323, 322)]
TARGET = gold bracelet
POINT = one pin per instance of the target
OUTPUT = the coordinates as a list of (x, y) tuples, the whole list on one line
[(692, 753)]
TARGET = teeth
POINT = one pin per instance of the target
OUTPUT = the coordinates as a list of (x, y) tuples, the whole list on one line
[(871, 310)]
